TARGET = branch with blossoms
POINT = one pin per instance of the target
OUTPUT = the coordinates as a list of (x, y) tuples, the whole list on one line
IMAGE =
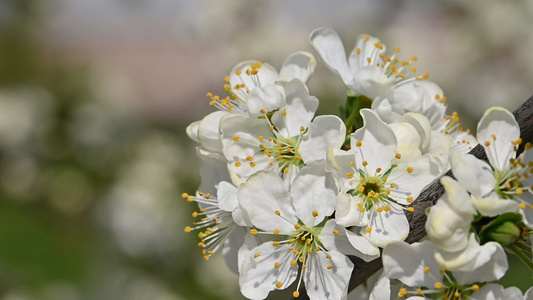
[(293, 200)]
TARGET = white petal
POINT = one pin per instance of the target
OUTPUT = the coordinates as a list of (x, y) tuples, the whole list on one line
[(323, 132), (529, 294), (501, 123), (493, 205), (407, 262), (250, 242), (379, 143), (323, 283), (422, 126), (231, 248), (339, 163), (261, 196), (329, 47), (192, 130), (298, 65), (258, 276), (227, 196), (347, 213), (300, 108), (208, 131), (409, 141), (424, 171), (382, 289), (347, 242), (266, 74), (494, 291), (367, 49), (387, 226), (213, 170), (247, 130), (371, 81), (313, 191), (268, 98), (490, 264), (474, 174)]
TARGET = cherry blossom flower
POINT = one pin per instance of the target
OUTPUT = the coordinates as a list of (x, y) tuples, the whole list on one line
[(297, 220), (503, 184)]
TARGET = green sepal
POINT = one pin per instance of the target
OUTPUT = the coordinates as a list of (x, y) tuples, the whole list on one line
[(505, 229)]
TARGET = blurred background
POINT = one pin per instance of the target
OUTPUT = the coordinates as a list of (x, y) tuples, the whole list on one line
[(95, 96)]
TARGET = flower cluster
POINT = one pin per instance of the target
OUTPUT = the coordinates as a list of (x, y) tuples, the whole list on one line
[(287, 195)]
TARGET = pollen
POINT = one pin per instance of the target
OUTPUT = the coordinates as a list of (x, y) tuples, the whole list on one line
[(369, 60), (368, 229), (378, 170), (297, 226), (277, 212), (410, 199), (335, 232), (386, 208), (426, 270), (410, 170), (475, 288), (238, 164), (365, 163), (276, 265), (275, 244), (398, 156), (238, 72), (367, 38), (253, 231), (350, 175), (283, 112), (411, 209), (522, 205), (257, 255), (286, 170), (487, 143), (249, 158), (293, 262), (276, 231), (263, 111), (358, 51), (184, 195), (188, 229), (330, 267), (315, 213), (438, 285)]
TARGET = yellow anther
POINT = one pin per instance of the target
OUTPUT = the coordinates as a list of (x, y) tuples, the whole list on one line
[(315, 213), (475, 288), (411, 209), (236, 138), (330, 267), (392, 185), (378, 170), (410, 170), (414, 58), (296, 294), (350, 175), (276, 231), (184, 195), (216, 98), (201, 245), (188, 229), (297, 226), (261, 139), (398, 156), (367, 38), (388, 191), (249, 158), (277, 212), (368, 229), (283, 112), (279, 284), (194, 214), (361, 188), (425, 75), (522, 205), (286, 170), (426, 270), (209, 95), (487, 143), (298, 157), (410, 199), (362, 209), (438, 285), (397, 50), (253, 231), (519, 191), (358, 51), (413, 69), (335, 232), (238, 164), (365, 163), (257, 255), (386, 208), (190, 199), (238, 72), (263, 111), (293, 262), (351, 163), (379, 209)]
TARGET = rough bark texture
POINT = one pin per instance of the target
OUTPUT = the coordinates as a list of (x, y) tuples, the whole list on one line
[(417, 219)]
